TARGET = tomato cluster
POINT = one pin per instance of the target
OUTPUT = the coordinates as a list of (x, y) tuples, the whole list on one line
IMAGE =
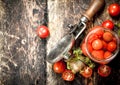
[(114, 11), (68, 74), (61, 68), (101, 44)]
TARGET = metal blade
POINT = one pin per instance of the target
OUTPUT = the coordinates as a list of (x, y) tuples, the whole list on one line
[(63, 46)]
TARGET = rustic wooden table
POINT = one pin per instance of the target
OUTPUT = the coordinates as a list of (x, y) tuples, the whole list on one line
[(23, 53)]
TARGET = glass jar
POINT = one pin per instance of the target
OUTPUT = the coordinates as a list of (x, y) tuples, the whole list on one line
[(99, 56)]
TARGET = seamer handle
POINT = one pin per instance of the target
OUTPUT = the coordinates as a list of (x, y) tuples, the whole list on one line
[(94, 7)]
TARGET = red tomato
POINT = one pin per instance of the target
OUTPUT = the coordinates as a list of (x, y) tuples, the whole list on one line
[(43, 31), (86, 72), (59, 67), (68, 75), (107, 36), (97, 44), (90, 49), (114, 9), (104, 70), (98, 33), (91, 38), (107, 54), (111, 46), (83, 47), (108, 24), (104, 45), (98, 54)]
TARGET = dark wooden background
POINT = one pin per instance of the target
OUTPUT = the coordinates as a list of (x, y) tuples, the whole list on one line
[(23, 53)]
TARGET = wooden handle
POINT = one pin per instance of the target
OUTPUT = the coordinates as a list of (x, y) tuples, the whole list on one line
[(94, 7)]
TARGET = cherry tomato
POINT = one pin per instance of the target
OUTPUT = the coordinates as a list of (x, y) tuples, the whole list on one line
[(68, 75), (104, 70), (107, 54), (43, 31), (90, 49), (97, 44), (104, 45), (59, 67), (114, 9), (83, 47), (98, 54), (98, 33), (86, 72), (107, 36), (111, 46), (91, 38), (108, 24)]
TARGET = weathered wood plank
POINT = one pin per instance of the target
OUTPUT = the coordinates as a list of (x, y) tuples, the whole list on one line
[(22, 61)]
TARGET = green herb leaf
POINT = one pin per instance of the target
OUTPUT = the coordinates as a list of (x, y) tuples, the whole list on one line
[(78, 56)]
